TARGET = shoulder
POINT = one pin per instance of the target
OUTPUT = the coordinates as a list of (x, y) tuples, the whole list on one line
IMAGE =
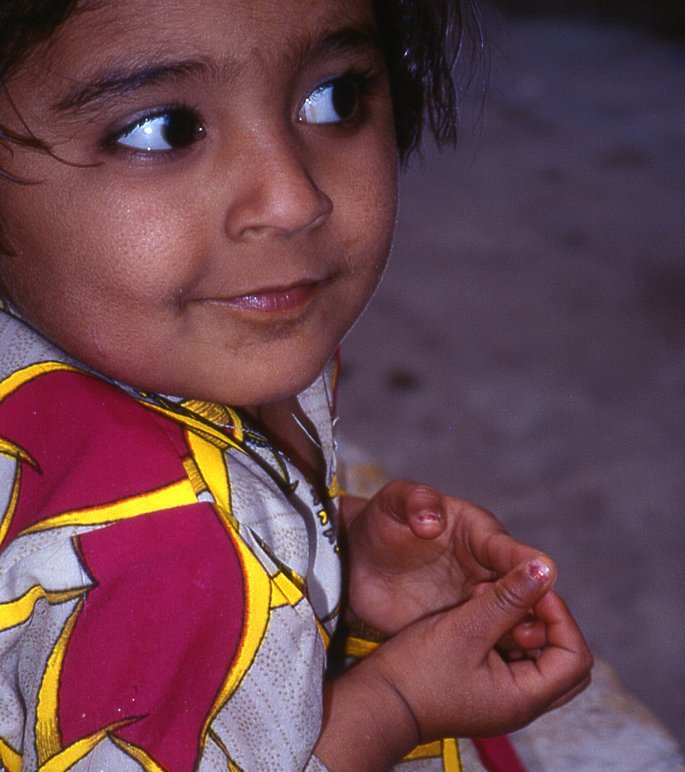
[(51, 406), (81, 442)]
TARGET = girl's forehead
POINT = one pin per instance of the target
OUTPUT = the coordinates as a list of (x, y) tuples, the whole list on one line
[(226, 37), (247, 28), (108, 54)]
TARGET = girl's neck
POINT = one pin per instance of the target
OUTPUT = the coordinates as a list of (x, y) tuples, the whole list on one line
[(290, 429)]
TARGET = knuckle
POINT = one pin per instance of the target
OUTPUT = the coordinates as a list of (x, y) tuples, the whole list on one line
[(508, 595), (587, 661), (422, 494)]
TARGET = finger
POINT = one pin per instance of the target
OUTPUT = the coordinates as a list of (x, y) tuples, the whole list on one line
[(515, 655), (563, 633), (425, 511), (418, 506), (571, 694), (506, 602), (381, 535), (524, 637), (487, 541), (565, 662), (529, 635), (480, 587)]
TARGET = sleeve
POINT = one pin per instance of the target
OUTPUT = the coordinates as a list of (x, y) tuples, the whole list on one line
[(116, 584)]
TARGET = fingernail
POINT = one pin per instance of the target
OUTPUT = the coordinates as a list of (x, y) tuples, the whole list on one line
[(428, 517), (538, 570)]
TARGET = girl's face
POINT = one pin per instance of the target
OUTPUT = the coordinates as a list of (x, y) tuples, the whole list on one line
[(224, 203)]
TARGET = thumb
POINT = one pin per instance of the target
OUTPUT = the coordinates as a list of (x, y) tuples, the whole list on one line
[(416, 505), (504, 603)]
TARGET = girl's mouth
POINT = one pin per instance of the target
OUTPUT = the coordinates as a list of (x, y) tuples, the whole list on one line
[(274, 300), (271, 300)]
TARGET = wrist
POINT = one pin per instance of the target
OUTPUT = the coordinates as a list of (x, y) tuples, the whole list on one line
[(367, 723), (350, 507)]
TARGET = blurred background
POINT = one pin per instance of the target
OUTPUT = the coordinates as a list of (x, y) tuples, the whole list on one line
[(527, 347)]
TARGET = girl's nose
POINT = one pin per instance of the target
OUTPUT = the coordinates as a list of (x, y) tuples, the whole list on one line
[(275, 195)]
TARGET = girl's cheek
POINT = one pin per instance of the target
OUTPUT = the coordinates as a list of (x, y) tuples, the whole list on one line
[(5, 245)]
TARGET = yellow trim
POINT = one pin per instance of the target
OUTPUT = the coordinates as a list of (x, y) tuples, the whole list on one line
[(216, 437), (136, 752), (218, 414), (16, 612), (8, 448), (48, 739), (284, 592), (430, 750), (174, 495), (8, 515), (451, 756), (69, 756), (257, 594), (66, 758), (334, 489), (232, 766), (237, 423), (212, 466), (447, 750), (359, 647), (325, 637), (196, 480), (212, 411), (30, 373), (9, 757)]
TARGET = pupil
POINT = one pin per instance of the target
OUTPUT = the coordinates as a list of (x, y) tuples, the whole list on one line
[(180, 129), (345, 98)]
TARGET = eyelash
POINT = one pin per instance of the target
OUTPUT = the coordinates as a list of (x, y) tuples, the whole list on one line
[(361, 80), (112, 142)]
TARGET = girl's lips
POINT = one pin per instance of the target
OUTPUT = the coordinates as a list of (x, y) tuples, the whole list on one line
[(270, 300)]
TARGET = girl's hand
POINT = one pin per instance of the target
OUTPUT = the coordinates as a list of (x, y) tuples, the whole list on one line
[(444, 676), (413, 551), (452, 658)]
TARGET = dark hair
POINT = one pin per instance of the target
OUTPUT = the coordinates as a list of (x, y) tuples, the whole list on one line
[(421, 39), (23, 25), (425, 42)]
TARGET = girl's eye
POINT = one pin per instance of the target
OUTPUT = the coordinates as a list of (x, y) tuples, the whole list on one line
[(334, 102), (173, 129)]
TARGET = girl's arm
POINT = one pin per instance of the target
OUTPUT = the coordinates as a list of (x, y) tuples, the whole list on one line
[(443, 676)]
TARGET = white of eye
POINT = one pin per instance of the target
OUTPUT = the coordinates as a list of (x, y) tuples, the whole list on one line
[(148, 135), (319, 106)]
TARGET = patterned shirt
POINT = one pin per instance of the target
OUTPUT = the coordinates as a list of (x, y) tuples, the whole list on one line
[(168, 579)]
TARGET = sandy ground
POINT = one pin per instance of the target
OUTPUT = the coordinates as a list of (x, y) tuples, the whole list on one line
[(526, 347)]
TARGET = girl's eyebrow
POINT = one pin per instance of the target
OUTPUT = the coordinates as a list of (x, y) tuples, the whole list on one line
[(349, 39), (119, 82)]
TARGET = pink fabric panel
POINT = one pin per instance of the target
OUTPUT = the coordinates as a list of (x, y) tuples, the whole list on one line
[(158, 633), (92, 442)]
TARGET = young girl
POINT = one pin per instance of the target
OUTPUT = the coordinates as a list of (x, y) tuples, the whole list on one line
[(197, 202)]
